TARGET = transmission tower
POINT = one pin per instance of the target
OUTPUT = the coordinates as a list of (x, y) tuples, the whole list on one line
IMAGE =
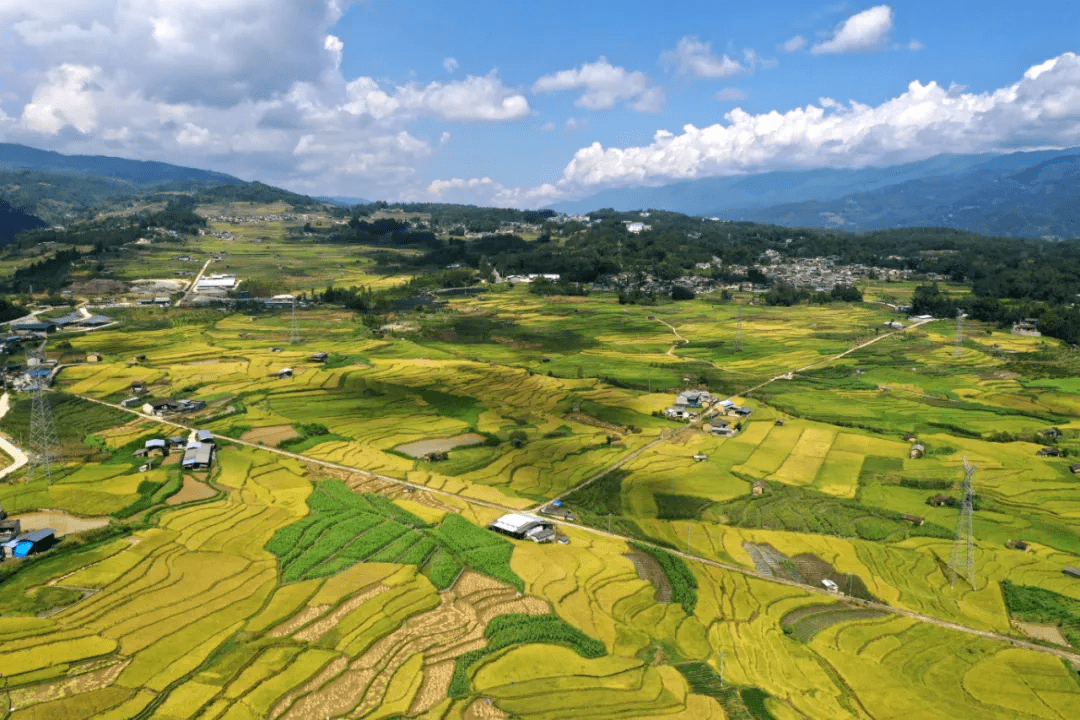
[(959, 334), (738, 331), (294, 337), (962, 562), (44, 441)]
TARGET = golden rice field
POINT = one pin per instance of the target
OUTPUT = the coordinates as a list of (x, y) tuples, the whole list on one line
[(186, 614)]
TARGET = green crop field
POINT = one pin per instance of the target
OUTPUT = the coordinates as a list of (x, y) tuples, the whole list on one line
[(305, 580)]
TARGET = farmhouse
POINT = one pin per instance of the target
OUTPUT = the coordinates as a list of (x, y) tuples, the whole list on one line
[(177, 441), (156, 446), (9, 530), (160, 408), (678, 413), (693, 398), (201, 437), (1049, 452), (1075, 468), (192, 405), (138, 386), (524, 527), (198, 457)]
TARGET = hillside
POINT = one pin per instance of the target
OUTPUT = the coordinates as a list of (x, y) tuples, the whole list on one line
[(13, 222), (141, 172)]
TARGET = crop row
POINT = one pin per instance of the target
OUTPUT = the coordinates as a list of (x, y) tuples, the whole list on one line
[(683, 583)]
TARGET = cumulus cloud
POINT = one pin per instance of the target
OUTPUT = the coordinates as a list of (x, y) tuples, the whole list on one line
[(915, 45), (252, 87), (860, 32), (1042, 109), (691, 56), (604, 85), (794, 44), (450, 64)]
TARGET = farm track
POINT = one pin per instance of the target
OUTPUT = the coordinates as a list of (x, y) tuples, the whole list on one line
[(194, 283), (919, 617)]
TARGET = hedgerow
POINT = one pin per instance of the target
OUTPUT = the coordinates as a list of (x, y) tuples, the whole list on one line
[(517, 629)]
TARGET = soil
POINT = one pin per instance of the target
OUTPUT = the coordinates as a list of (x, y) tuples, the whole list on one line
[(648, 569), (60, 521), (483, 709), (589, 420), (1049, 633), (455, 627), (270, 435), (67, 687), (192, 490), (421, 448), (317, 629)]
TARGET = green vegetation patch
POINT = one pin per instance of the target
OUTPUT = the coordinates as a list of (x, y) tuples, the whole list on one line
[(517, 629), (738, 703), (683, 583), (346, 528), (785, 507), (679, 507), (803, 624), (600, 504), (1035, 605), (75, 418)]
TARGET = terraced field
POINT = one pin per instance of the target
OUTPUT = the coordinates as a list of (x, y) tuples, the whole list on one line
[(288, 589)]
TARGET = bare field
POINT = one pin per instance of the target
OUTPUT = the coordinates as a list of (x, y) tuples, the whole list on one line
[(420, 448), (271, 435)]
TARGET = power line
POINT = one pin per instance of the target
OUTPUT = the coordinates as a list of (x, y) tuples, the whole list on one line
[(294, 336), (44, 441)]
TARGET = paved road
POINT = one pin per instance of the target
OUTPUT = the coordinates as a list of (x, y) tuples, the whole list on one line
[(18, 456), (194, 283), (1059, 652)]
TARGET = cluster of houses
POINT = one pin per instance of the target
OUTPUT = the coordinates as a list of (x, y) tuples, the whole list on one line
[(689, 402), (17, 544), (164, 406), (199, 447)]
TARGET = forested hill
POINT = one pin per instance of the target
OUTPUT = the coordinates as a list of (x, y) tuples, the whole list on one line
[(141, 172), (1039, 200), (13, 222)]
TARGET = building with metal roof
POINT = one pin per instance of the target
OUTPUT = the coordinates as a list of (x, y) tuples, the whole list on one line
[(524, 527)]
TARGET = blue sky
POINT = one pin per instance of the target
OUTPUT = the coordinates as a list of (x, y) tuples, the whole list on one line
[(525, 103)]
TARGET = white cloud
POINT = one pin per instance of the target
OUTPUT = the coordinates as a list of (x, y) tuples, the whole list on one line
[(915, 45), (547, 127), (1040, 110), (450, 64), (573, 124), (251, 87), (691, 56), (604, 85), (794, 44), (444, 138), (860, 32), (731, 95)]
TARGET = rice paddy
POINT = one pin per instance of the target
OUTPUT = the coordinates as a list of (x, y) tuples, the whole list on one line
[(276, 587)]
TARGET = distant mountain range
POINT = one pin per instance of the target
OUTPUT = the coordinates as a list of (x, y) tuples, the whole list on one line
[(1029, 194), (140, 172)]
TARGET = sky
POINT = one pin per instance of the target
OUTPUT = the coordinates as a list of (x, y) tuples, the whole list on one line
[(514, 103)]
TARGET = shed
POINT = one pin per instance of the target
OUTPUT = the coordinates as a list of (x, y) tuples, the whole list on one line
[(10, 529), (913, 519), (130, 402), (758, 488), (34, 541), (1017, 545), (93, 357), (1075, 467), (830, 585), (204, 437), (138, 386), (161, 407), (1049, 452), (1070, 570), (198, 457), (177, 441), (524, 527), (700, 457), (917, 451), (319, 357), (938, 500)]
